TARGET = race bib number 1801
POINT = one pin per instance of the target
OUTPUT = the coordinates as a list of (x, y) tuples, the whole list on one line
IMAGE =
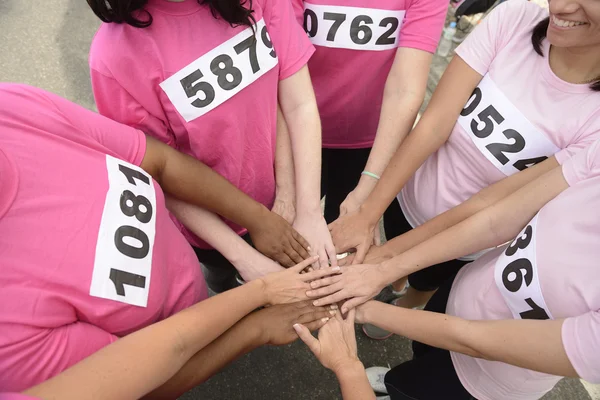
[(123, 262), (221, 73), (352, 27), (501, 132)]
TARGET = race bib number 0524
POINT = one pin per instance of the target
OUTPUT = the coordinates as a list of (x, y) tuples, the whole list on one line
[(516, 276), (501, 132), (221, 73), (123, 262), (352, 27)]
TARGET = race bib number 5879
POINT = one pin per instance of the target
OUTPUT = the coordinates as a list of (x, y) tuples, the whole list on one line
[(123, 262), (221, 73)]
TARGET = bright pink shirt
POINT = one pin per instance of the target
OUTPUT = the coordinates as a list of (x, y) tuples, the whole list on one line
[(349, 70), (563, 255), (542, 114), (67, 246), (203, 87)]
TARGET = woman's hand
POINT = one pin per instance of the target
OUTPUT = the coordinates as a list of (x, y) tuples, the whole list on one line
[(356, 284), (353, 231), (291, 285), (313, 227), (335, 347), (274, 237), (285, 206)]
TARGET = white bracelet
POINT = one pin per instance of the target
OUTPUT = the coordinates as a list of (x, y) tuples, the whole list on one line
[(372, 175)]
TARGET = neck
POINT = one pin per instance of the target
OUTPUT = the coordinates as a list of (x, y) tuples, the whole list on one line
[(575, 65)]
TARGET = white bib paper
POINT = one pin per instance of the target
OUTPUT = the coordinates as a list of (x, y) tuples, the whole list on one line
[(220, 74), (501, 132), (123, 262), (353, 27)]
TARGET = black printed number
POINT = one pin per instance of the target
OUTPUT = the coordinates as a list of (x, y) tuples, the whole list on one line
[(264, 35), (192, 87), (386, 37), (337, 19), (134, 209), (310, 16), (528, 162), (360, 26), (228, 76), (498, 149), (132, 175), (519, 269), (135, 235), (520, 243), (536, 311), (122, 278), (472, 103), (488, 116), (360, 32)]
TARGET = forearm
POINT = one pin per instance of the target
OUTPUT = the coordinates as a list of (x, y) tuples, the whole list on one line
[(189, 180), (485, 198), (215, 232), (302, 118), (488, 228), (237, 341), (354, 383), (284, 160), (530, 344)]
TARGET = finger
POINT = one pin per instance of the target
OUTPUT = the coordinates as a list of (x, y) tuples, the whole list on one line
[(351, 316), (351, 304), (331, 299), (316, 325), (297, 248), (330, 280), (300, 266), (361, 253), (293, 254), (286, 261), (302, 242), (331, 253), (321, 273), (323, 260), (307, 337), (316, 316), (324, 291)]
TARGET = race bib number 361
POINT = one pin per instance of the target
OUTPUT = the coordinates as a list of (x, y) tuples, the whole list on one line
[(123, 262), (501, 132), (221, 73), (352, 27), (517, 278)]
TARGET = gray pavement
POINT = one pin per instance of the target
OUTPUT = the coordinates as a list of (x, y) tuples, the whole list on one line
[(45, 44)]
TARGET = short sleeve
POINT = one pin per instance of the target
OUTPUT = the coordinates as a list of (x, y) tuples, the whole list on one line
[(581, 340), (291, 43), (49, 352), (422, 25), (590, 131), (114, 102), (15, 396), (583, 165), (493, 33), (127, 143), (298, 6)]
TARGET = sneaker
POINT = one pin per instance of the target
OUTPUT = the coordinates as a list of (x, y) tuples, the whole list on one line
[(376, 376), (388, 294)]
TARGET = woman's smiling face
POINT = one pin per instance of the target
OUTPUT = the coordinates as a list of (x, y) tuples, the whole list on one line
[(574, 23)]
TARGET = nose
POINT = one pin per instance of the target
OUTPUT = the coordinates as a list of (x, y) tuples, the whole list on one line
[(563, 7)]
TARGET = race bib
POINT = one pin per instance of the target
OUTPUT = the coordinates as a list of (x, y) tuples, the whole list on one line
[(516, 276), (352, 27), (501, 132), (221, 73), (123, 262)]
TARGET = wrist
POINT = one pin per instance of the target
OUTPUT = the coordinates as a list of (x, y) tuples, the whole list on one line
[(388, 271), (258, 218), (253, 327), (349, 369), (309, 210), (366, 211)]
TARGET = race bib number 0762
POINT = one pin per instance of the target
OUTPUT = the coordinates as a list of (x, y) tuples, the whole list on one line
[(221, 73), (353, 28), (501, 132), (123, 262)]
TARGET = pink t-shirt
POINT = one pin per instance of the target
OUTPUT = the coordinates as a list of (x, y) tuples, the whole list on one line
[(520, 113), (356, 42), (15, 396), (88, 251), (203, 87), (559, 252)]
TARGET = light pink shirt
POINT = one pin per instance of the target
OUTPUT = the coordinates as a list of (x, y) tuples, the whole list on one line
[(565, 115), (54, 159), (566, 242), (237, 137), (349, 83)]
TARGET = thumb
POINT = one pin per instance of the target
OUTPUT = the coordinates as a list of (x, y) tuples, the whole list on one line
[(307, 337), (361, 253)]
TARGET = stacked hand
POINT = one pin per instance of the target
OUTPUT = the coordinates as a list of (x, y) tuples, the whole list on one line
[(313, 227), (353, 231)]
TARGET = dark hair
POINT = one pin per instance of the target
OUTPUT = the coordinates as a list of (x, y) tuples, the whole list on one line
[(539, 34), (233, 12)]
